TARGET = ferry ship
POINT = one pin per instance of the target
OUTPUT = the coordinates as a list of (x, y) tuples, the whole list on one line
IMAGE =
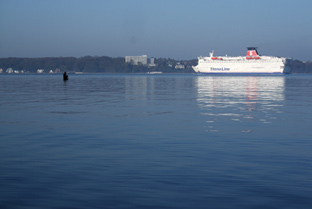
[(252, 63)]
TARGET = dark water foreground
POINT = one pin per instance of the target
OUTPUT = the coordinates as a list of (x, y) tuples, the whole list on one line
[(163, 141)]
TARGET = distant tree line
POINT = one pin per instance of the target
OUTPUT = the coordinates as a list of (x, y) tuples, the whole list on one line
[(104, 64), (89, 64), (300, 67)]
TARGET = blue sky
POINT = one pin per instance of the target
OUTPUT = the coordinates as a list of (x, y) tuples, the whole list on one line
[(159, 28)]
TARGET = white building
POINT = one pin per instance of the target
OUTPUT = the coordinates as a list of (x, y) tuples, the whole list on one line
[(152, 62), (40, 70), (9, 70), (179, 66), (136, 60)]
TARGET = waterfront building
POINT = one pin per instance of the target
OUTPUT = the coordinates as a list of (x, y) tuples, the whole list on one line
[(152, 62), (136, 60), (40, 70), (9, 70), (179, 66)]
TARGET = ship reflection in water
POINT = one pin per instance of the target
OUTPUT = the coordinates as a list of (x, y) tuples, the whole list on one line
[(246, 100)]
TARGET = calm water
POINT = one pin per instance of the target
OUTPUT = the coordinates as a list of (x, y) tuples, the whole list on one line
[(155, 141)]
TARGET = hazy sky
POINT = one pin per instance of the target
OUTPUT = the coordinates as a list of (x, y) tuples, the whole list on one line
[(177, 29)]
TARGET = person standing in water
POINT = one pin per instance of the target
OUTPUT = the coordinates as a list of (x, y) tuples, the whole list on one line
[(65, 76)]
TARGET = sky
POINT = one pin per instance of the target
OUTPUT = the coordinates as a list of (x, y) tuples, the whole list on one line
[(178, 29)]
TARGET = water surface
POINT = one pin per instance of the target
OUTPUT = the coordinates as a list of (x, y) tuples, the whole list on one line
[(155, 141)]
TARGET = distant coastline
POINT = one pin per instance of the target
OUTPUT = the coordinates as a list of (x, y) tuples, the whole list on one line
[(105, 64)]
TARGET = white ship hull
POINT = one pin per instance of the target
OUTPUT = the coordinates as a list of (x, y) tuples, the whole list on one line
[(242, 65)]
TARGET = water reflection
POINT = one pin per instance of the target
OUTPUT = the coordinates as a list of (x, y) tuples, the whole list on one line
[(137, 88), (240, 98), (159, 87)]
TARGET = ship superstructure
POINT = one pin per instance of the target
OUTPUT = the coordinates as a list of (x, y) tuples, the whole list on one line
[(251, 63)]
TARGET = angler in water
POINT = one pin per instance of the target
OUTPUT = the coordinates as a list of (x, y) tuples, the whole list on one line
[(65, 76)]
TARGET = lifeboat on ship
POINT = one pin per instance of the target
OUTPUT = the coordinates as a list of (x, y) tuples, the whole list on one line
[(212, 57)]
